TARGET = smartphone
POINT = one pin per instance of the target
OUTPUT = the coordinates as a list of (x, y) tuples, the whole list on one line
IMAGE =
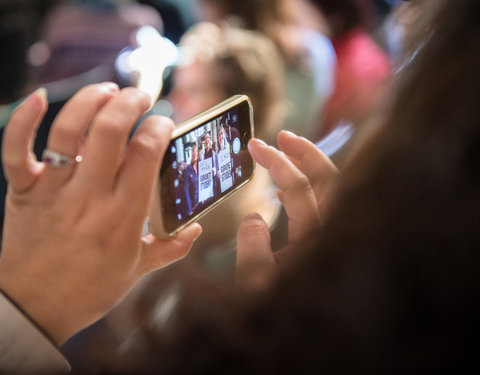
[(206, 161)]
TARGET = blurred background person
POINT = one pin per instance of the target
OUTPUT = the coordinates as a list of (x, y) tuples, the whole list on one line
[(217, 62), (208, 150), (177, 16), (309, 59), (362, 70), (190, 180), (81, 35), (403, 18)]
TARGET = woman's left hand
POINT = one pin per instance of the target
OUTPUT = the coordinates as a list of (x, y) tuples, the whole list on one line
[(72, 244)]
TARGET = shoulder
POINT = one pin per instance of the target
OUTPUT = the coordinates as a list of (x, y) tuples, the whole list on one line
[(360, 58)]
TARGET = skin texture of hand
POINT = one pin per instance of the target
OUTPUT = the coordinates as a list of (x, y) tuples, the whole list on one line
[(305, 176), (72, 244)]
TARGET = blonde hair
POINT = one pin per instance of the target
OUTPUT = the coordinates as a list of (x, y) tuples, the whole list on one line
[(241, 62)]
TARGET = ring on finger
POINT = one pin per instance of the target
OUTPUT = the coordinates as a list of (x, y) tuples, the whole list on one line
[(55, 159)]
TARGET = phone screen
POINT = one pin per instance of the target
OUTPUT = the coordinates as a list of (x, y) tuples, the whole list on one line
[(204, 165)]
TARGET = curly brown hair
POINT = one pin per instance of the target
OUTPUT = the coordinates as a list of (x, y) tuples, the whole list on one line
[(271, 18), (242, 62)]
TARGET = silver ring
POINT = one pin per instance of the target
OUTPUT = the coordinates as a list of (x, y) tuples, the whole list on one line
[(57, 160)]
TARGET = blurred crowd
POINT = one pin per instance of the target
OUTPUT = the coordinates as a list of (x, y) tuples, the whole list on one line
[(322, 69), (317, 68), (315, 64)]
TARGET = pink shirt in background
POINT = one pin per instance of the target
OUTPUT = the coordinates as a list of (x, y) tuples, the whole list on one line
[(361, 74)]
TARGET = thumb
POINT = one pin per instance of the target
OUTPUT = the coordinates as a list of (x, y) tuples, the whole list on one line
[(255, 266), (158, 253)]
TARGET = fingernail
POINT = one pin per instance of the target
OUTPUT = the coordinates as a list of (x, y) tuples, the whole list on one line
[(166, 121), (40, 93), (257, 141), (289, 133), (150, 98), (253, 216), (198, 231), (110, 86)]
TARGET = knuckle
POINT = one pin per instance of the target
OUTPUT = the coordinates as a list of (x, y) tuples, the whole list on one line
[(301, 184), (159, 122), (88, 98), (92, 93), (133, 98), (89, 90), (253, 229), (146, 144), (108, 125)]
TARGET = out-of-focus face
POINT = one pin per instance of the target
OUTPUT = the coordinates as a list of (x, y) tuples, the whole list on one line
[(221, 138), (208, 142), (194, 154), (210, 11), (193, 91)]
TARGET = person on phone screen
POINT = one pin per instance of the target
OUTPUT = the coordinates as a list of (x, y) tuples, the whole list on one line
[(206, 170), (208, 151), (209, 154), (190, 177), (224, 162)]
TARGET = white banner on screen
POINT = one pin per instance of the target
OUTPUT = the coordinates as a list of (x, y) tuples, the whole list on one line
[(205, 181), (225, 168)]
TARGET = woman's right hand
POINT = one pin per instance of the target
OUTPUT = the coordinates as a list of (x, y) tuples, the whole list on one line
[(305, 177)]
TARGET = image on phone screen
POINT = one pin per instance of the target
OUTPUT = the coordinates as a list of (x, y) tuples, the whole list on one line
[(205, 164)]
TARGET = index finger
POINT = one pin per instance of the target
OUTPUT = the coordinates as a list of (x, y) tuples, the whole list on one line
[(298, 196), (108, 137), (317, 166), (311, 160)]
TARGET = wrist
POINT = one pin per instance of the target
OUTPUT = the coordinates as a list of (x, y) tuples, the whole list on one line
[(33, 306), (27, 316)]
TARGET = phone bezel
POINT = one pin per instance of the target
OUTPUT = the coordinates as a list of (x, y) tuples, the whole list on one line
[(156, 220)]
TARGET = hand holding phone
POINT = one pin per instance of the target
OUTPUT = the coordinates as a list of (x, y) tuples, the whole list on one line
[(206, 161)]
